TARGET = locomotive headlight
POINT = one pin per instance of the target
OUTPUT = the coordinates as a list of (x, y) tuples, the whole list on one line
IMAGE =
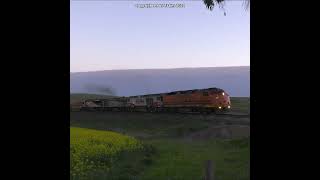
[(219, 107), (223, 94), (228, 107)]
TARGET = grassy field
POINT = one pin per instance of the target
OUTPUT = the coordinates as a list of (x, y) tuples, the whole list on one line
[(181, 159), (103, 154), (174, 154), (240, 104)]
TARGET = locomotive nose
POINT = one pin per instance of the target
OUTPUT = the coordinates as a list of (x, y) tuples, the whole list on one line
[(227, 102)]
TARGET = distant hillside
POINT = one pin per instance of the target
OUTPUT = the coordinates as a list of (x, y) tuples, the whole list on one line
[(235, 80), (80, 97)]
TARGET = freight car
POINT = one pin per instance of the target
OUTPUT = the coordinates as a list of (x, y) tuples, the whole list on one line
[(197, 100), (150, 102), (110, 104)]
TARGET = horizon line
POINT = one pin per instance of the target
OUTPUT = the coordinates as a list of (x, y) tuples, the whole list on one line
[(158, 68)]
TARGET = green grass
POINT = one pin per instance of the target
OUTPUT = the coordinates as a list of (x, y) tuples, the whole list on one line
[(184, 160), (99, 154), (142, 125), (240, 104), (167, 152)]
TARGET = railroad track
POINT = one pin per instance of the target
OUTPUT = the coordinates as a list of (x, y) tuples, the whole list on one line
[(233, 115), (220, 114), (239, 115)]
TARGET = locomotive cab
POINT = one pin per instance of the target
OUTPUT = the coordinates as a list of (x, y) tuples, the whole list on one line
[(219, 99)]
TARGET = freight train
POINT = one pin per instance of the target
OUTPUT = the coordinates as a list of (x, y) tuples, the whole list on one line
[(197, 100)]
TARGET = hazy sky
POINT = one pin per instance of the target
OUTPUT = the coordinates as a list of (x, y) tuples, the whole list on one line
[(117, 35)]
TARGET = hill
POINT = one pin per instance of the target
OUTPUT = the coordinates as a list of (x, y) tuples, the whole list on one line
[(76, 97), (235, 80)]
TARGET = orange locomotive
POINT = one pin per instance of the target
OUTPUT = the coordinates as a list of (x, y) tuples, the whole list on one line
[(209, 100)]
